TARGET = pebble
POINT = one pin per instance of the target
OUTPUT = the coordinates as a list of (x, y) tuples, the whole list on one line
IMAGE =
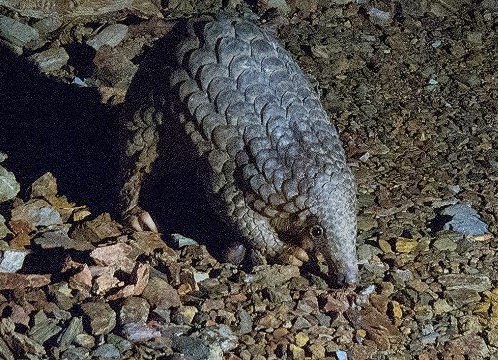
[(70, 333), (4, 230), (134, 310), (107, 351), (43, 328), (477, 283), (36, 213), (464, 220), (12, 260), (16, 32), (50, 60), (99, 316), (9, 187), (111, 35), (160, 294)]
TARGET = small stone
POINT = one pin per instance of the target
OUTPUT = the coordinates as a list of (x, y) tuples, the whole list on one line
[(48, 24), (9, 187), (106, 351), (385, 246), (219, 336), (78, 353), (396, 310), (464, 220), (301, 339), (112, 35), (44, 187), (12, 260), (461, 297), (341, 355), (20, 281), (134, 310), (99, 317), (465, 282), (317, 351), (43, 328), (445, 244), (213, 304), (301, 323), (50, 60), (114, 255), (35, 213), (98, 229), (474, 38), (188, 313), (245, 322), (85, 340), (121, 343), (160, 294), (200, 276), (56, 239), (139, 332), (17, 33), (179, 241), (62, 295), (441, 306), (297, 352), (69, 334), (269, 321), (366, 223), (4, 230), (379, 17), (404, 245), (190, 347)]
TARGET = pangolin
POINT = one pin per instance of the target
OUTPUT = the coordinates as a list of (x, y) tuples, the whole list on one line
[(272, 163)]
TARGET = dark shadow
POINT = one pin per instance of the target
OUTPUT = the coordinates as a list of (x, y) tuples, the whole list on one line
[(175, 191), (46, 125)]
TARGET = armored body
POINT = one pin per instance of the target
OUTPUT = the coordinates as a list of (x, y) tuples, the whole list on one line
[(272, 162)]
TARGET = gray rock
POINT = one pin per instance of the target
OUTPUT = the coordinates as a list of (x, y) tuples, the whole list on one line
[(465, 220), (85, 340), (139, 332), (78, 353), (465, 282), (220, 335), (74, 328), (54, 239), (4, 230), (245, 322), (122, 344), (99, 317), (12, 260), (44, 328), (160, 294), (9, 187), (50, 60), (134, 310), (379, 17), (112, 35), (16, 32), (48, 24), (36, 213), (301, 323), (192, 348), (178, 241), (107, 351)]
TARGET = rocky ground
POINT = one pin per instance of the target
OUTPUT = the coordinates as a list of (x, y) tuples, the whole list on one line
[(412, 87)]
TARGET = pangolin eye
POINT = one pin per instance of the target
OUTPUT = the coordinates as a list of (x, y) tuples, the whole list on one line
[(316, 231)]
